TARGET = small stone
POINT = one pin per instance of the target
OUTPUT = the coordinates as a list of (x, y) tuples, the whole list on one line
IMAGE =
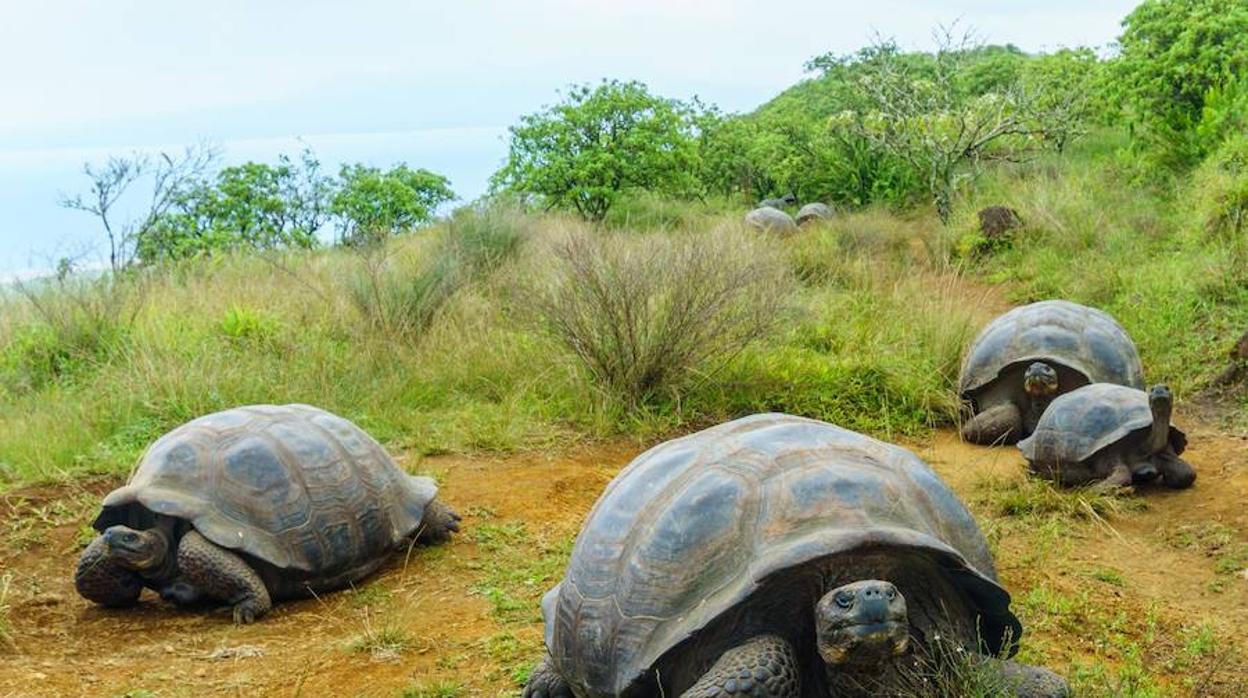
[(38, 676)]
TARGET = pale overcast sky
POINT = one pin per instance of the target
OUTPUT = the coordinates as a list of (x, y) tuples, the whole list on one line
[(431, 83)]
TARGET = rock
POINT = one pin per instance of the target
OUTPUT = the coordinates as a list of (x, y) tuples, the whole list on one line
[(996, 222)]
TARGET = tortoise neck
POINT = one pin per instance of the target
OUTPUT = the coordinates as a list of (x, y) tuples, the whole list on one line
[(166, 529)]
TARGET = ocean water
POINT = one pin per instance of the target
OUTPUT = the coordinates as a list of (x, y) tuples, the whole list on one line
[(35, 230)]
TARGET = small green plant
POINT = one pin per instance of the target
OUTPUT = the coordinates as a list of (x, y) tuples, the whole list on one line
[(242, 323), (383, 643), (372, 595)]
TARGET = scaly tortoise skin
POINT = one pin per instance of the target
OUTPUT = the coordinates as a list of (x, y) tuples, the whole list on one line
[(291, 497), (699, 570), (1030, 355), (1110, 435)]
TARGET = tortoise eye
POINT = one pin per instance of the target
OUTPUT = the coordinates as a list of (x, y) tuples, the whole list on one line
[(891, 594), (844, 600)]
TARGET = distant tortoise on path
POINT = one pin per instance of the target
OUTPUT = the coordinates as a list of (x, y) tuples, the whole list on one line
[(1109, 435), (811, 213), (777, 557), (1030, 355), (770, 220), (253, 505)]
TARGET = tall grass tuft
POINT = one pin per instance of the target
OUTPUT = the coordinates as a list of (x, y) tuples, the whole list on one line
[(643, 315), (69, 324)]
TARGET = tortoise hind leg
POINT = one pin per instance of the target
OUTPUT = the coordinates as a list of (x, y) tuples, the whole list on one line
[(439, 523), (220, 574), (1000, 424), (545, 682), (765, 667)]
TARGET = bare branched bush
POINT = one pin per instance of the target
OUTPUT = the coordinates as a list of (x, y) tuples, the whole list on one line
[(643, 314)]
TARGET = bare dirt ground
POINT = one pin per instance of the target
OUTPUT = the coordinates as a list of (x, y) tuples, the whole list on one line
[(1149, 593)]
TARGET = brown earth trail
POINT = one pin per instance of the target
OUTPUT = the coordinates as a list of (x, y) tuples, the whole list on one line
[(1152, 582)]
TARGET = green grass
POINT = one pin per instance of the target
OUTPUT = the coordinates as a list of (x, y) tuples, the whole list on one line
[(437, 689), (384, 643), (518, 569)]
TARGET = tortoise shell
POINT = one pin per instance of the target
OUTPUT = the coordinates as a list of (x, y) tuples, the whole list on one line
[(768, 219), (292, 485), (814, 212), (691, 528), (1077, 425), (1083, 339)]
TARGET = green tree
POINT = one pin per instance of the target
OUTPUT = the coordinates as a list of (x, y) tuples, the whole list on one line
[(928, 113), (1174, 52), (370, 204), (599, 142), (248, 206), (1068, 86)]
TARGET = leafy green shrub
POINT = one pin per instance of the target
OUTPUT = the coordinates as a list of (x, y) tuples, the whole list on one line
[(249, 206), (642, 314), (1173, 54), (1220, 187), (371, 204), (484, 237), (599, 142)]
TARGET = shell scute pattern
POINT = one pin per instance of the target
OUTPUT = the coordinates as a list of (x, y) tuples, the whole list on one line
[(692, 527), (1084, 339), (292, 485), (1080, 423)]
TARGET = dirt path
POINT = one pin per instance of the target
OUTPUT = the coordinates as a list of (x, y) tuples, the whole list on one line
[(1124, 587)]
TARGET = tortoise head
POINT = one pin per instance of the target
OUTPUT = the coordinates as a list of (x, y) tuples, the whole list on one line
[(861, 624), (136, 550), (1040, 381)]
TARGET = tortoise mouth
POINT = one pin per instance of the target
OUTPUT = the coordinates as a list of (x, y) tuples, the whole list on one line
[(865, 643)]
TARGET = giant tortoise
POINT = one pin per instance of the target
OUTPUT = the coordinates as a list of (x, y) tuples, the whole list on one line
[(770, 220), (1030, 355), (778, 557), (1111, 436), (257, 504)]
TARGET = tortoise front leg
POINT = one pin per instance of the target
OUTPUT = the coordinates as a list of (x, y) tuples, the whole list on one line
[(545, 682), (1175, 472), (101, 580), (220, 574), (1000, 424), (765, 667), (439, 522)]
